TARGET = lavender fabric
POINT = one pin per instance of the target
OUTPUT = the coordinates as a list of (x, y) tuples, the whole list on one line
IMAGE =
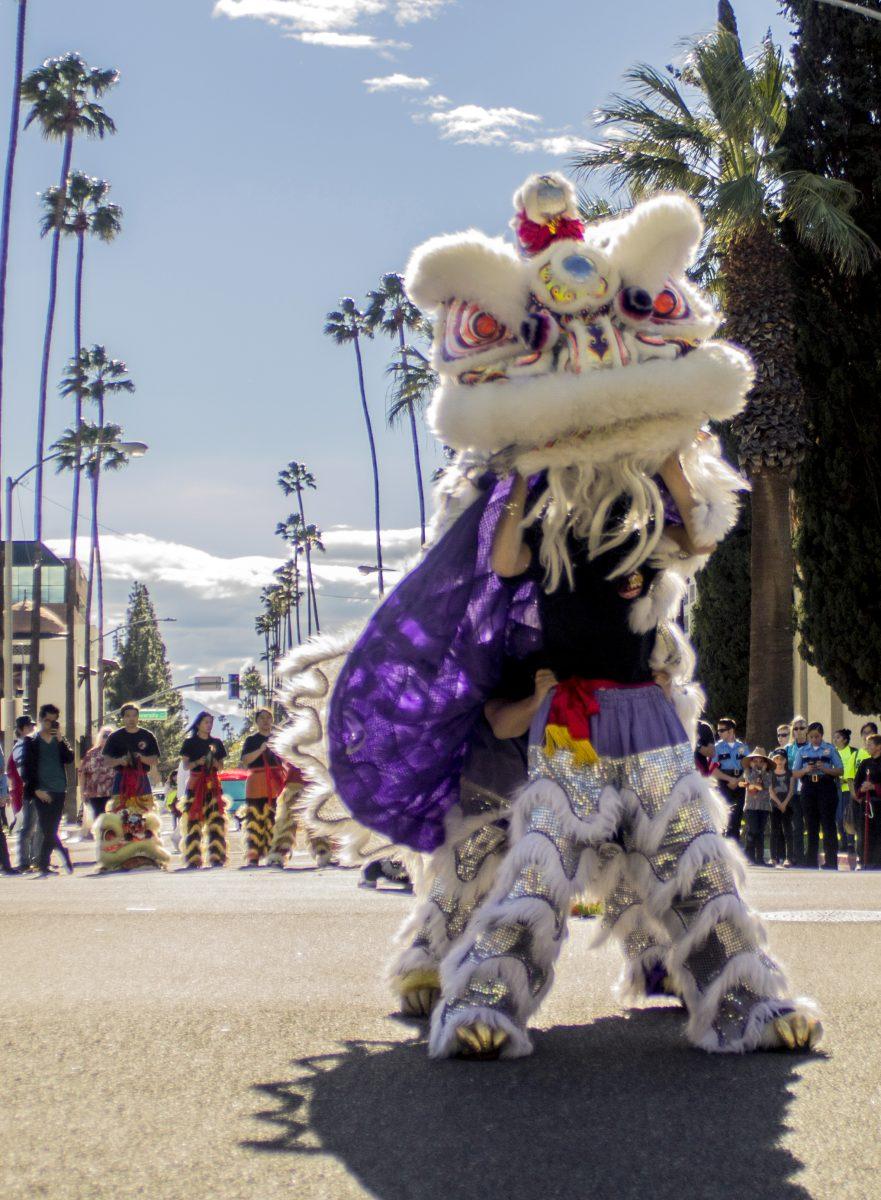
[(412, 689), (631, 720)]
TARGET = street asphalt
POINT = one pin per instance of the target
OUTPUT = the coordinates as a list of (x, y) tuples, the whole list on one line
[(228, 1035)]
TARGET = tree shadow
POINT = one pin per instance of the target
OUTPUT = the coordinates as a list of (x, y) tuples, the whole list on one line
[(616, 1109)]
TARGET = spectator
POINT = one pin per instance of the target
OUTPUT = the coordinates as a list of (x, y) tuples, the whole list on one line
[(705, 749), (782, 788), (799, 737), (866, 731), (757, 777), (782, 737), (43, 760), (867, 789), (730, 754), (5, 861), (28, 829), (845, 817), (96, 775), (818, 765)]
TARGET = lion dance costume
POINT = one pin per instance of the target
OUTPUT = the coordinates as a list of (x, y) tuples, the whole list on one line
[(204, 813), (583, 360), (128, 834)]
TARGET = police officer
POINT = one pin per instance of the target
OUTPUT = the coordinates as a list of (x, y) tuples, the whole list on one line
[(818, 764), (730, 754)]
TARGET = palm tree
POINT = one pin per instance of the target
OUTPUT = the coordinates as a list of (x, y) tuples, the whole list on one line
[(348, 324), (85, 209), (62, 94), (97, 377), (413, 383), (391, 312), (294, 479), (288, 576), (251, 684), (713, 129), (92, 448), (12, 146), (303, 539), (263, 625)]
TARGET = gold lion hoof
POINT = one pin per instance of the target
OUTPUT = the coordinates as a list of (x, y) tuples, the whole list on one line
[(799, 1031), (420, 991), (419, 1002), (480, 1041)]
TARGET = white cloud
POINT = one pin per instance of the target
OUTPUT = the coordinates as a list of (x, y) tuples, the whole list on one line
[(410, 11), (302, 14), (349, 41), (555, 144), (397, 82), (471, 124), (214, 599), (437, 101)]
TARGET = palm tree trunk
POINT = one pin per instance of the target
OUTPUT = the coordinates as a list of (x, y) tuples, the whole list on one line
[(310, 586), (90, 591), (6, 219), (99, 678), (34, 673), (374, 463), (5, 222), (771, 608), (70, 591), (297, 599), (414, 433)]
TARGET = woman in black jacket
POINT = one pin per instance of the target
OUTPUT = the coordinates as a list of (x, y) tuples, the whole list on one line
[(43, 762)]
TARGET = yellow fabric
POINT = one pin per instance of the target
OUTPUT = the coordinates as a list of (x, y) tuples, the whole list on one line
[(558, 737)]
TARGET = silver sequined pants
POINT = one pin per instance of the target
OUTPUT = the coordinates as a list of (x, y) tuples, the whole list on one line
[(644, 833)]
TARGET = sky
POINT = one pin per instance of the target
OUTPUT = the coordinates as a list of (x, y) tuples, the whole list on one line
[(271, 157)]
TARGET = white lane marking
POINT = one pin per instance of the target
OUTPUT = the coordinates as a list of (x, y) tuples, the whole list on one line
[(839, 916), (135, 908)]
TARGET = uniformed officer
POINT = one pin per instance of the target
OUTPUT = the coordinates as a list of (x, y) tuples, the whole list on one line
[(730, 753)]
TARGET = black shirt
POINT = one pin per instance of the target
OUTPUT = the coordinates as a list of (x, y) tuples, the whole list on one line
[(121, 743), (197, 747), (585, 629), (268, 759), (869, 771)]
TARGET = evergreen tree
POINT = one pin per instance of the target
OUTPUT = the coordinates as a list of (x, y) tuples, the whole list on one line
[(835, 128), (144, 672)]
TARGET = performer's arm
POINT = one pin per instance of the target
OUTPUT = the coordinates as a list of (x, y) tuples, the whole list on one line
[(510, 555), (251, 757), (512, 718), (686, 536)]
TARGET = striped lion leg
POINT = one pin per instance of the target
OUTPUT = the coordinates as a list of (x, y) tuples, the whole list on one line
[(284, 828), (456, 878), (691, 875), (644, 940), (192, 840), (216, 824), (253, 831), (496, 976), (268, 826)]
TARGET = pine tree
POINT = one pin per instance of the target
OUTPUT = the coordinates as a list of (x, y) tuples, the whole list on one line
[(144, 672), (835, 128)]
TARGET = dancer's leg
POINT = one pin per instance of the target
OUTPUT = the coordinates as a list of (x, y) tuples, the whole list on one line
[(192, 840), (253, 832), (455, 880), (216, 825), (690, 879)]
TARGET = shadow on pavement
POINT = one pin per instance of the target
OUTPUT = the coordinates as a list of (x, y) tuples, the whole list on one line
[(616, 1109)]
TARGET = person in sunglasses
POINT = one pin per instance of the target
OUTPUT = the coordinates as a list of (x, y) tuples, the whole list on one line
[(798, 728)]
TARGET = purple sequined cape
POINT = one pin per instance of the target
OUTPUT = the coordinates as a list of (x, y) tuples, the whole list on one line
[(407, 700)]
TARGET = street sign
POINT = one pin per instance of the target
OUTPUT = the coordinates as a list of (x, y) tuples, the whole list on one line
[(208, 683), (154, 714)]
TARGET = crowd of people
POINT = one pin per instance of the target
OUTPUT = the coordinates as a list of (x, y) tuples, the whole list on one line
[(804, 797), (116, 780)]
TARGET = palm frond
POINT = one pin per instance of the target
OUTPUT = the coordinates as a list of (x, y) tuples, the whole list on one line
[(820, 209)]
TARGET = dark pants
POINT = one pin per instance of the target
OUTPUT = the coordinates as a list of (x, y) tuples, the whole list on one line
[(756, 820), (49, 816), (734, 798), (5, 860), (99, 805), (29, 836), (798, 829), (782, 846), (820, 801), (845, 840)]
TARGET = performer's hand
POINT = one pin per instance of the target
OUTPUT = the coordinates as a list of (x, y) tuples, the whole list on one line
[(664, 680), (545, 681), (42, 796)]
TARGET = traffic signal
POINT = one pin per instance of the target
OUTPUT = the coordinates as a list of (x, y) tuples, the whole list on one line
[(232, 687)]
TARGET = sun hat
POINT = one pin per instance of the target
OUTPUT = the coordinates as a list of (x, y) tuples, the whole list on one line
[(757, 754)]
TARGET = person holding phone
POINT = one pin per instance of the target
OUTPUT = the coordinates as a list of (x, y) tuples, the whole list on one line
[(44, 759)]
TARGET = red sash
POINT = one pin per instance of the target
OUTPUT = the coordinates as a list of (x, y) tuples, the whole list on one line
[(205, 785)]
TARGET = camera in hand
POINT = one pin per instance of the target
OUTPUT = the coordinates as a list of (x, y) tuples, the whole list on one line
[(55, 726)]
